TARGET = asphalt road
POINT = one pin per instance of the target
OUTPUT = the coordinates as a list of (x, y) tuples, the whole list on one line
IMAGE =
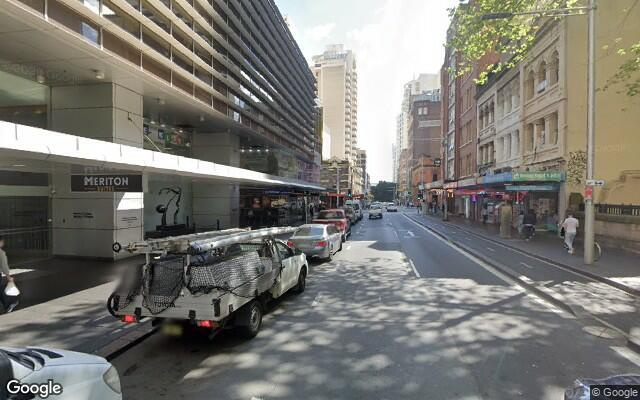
[(613, 306), (373, 326)]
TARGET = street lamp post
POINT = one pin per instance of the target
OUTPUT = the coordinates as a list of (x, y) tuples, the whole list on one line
[(589, 211)]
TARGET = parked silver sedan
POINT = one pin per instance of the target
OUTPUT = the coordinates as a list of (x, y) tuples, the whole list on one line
[(317, 240)]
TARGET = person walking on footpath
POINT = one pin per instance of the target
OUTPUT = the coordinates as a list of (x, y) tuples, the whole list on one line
[(485, 214), (570, 226), (529, 224), (5, 278)]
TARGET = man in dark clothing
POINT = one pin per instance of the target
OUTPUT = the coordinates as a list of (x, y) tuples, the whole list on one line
[(529, 224)]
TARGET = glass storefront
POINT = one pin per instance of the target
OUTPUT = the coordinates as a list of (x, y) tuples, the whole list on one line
[(25, 215)]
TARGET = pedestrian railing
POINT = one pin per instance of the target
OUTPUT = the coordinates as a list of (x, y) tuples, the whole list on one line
[(618, 209)]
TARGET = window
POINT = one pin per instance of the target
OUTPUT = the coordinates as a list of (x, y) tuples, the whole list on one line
[(75, 22), (529, 86), (120, 18), (507, 147), (555, 68), (153, 41), (554, 128), (516, 142), (529, 138), (155, 16), (542, 77), (284, 251)]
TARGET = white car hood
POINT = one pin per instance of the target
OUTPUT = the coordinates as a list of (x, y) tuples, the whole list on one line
[(66, 358)]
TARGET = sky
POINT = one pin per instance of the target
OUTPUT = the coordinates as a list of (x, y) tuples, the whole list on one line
[(393, 40)]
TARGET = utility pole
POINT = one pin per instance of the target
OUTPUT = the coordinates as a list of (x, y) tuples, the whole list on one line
[(589, 211)]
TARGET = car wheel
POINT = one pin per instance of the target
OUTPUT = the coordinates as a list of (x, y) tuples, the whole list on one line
[(344, 238), (249, 320), (340, 249), (329, 256), (369, 216), (302, 280)]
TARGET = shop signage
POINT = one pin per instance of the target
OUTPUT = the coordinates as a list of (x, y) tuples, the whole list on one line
[(532, 188), (553, 176), (450, 185), (497, 178), (106, 183), (467, 182), (434, 185)]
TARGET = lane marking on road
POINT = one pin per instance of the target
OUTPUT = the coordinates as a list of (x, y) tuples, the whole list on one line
[(488, 267), (411, 233), (413, 267), (16, 271), (490, 249), (526, 265)]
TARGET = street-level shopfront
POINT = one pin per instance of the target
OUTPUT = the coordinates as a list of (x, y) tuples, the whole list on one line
[(540, 191)]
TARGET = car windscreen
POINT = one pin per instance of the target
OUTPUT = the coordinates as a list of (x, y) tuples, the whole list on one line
[(375, 207), (330, 215), (309, 231)]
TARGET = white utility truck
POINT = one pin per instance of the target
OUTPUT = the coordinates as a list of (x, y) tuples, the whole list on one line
[(213, 280)]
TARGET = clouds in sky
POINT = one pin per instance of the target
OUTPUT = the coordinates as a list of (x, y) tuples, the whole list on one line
[(394, 40)]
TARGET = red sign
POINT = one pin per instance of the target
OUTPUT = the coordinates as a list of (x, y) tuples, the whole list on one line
[(588, 192)]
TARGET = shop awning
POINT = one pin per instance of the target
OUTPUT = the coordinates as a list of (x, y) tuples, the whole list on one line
[(20, 141)]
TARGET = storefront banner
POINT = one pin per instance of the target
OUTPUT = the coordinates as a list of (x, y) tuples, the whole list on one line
[(550, 176), (533, 188), (497, 178), (467, 182)]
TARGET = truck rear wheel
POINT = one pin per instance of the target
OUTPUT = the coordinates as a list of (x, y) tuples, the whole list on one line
[(249, 320)]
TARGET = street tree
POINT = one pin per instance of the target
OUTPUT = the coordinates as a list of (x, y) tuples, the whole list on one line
[(513, 36)]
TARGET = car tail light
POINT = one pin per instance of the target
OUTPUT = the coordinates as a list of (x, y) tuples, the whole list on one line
[(205, 323), (321, 243), (128, 319), (291, 244)]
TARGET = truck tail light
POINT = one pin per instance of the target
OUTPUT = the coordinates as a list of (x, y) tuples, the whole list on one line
[(129, 319), (205, 323)]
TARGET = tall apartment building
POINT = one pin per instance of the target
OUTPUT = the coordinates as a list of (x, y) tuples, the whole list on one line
[(113, 110), (361, 163), (335, 72)]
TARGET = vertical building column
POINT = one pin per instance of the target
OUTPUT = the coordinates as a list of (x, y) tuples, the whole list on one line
[(216, 204), (87, 224)]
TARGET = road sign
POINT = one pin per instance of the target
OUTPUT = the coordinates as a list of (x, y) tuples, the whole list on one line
[(595, 182), (588, 192), (437, 162)]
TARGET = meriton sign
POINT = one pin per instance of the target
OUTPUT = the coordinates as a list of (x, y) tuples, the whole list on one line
[(106, 183)]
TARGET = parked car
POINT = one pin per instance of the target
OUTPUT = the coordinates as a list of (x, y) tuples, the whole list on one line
[(77, 376), (351, 214), (317, 240), (392, 208), (375, 211), (336, 217)]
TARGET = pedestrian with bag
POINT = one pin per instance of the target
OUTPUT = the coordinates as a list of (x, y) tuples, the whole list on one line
[(8, 290), (570, 227), (529, 224)]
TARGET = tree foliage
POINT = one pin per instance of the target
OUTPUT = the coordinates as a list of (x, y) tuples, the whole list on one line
[(512, 37)]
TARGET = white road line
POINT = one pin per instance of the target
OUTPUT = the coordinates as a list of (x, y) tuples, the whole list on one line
[(490, 249), (411, 233), (486, 266), (16, 271), (526, 265), (413, 267)]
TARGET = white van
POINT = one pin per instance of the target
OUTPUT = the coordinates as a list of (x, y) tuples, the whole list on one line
[(357, 206)]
